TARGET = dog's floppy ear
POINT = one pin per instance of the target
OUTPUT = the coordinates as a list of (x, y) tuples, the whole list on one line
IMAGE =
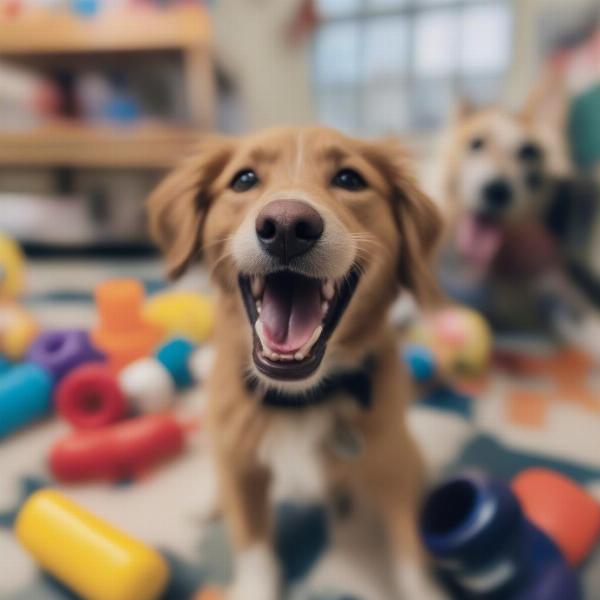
[(178, 206), (418, 220)]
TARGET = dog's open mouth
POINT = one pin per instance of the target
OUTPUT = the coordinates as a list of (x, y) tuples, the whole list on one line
[(293, 317), (480, 238)]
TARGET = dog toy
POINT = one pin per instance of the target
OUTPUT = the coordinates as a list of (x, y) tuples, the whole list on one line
[(87, 554), (210, 593), (484, 545), (62, 350), (151, 383), (453, 343), (25, 396), (18, 329), (123, 334), (561, 509), (89, 397), (182, 314), (12, 269), (119, 451), (5, 365)]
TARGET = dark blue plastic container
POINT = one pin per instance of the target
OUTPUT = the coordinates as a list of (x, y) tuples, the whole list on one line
[(484, 547)]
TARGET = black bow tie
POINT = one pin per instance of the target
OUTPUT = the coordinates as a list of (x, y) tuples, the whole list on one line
[(356, 383)]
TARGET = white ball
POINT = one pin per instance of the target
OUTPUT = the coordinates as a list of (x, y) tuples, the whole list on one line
[(201, 362), (148, 385)]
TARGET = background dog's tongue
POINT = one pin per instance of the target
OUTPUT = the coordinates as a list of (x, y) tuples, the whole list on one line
[(479, 240), (291, 310)]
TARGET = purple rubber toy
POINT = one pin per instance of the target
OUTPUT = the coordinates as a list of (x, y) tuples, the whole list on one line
[(61, 350)]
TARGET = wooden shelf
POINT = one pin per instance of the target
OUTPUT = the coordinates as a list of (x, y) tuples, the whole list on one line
[(142, 29), (68, 145)]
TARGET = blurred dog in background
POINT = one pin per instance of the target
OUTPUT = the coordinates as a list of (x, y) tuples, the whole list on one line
[(507, 186)]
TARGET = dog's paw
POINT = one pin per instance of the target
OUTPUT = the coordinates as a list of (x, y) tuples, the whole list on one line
[(257, 575), (414, 582)]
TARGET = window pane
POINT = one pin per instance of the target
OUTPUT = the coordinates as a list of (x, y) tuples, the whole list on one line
[(485, 39), (435, 43), (339, 109), (385, 3), (482, 90), (337, 53), (386, 109), (337, 7), (430, 103), (386, 48)]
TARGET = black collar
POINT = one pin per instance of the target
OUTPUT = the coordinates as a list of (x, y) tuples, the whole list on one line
[(356, 382)]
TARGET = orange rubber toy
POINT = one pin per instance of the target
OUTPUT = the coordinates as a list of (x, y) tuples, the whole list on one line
[(122, 333), (563, 510)]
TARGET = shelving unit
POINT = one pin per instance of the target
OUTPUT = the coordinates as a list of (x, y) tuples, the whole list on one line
[(184, 29), (137, 147)]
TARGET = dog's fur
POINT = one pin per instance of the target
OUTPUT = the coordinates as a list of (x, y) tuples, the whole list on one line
[(388, 231), (489, 145)]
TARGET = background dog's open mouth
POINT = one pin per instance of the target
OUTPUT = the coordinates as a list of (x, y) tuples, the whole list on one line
[(479, 239), (293, 316)]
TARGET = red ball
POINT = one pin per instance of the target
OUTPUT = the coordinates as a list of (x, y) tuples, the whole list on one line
[(89, 397)]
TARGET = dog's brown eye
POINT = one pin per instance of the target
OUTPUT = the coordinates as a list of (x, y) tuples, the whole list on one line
[(349, 179), (529, 152), (244, 180), (477, 144)]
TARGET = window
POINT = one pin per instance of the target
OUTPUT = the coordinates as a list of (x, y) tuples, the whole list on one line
[(385, 66)]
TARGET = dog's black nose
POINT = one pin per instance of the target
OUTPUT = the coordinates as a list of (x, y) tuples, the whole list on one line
[(288, 228), (497, 194)]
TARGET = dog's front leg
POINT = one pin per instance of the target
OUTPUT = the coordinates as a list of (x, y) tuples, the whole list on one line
[(395, 482), (256, 571)]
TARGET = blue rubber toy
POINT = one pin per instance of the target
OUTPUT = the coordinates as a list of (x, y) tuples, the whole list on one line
[(175, 357), (25, 396), (5, 365), (420, 361), (484, 547)]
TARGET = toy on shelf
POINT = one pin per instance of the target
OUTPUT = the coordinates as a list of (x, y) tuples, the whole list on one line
[(489, 541), (87, 554), (454, 343), (90, 397), (18, 329), (25, 396), (151, 383), (62, 350), (12, 269), (118, 451), (180, 313), (123, 333)]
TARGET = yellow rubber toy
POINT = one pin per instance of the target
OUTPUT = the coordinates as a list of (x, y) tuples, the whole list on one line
[(12, 269), (93, 558), (18, 329), (182, 313)]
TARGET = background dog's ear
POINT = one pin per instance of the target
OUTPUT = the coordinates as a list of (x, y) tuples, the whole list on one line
[(178, 206), (417, 218)]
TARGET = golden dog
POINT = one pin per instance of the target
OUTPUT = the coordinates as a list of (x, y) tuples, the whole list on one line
[(308, 236)]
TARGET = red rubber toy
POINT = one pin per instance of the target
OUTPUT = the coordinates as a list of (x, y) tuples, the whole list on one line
[(120, 451), (89, 397), (563, 510)]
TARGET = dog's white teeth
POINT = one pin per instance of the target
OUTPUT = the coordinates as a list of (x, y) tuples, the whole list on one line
[(299, 356), (305, 350), (324, 308), (257, 284), (286, 356), (328, 289), (258, 306)]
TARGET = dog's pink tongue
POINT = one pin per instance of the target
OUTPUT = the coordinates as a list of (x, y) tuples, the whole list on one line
[(291, 311), (479, 240)]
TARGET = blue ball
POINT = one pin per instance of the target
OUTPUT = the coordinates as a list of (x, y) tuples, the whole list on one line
[(420, 361), (175, 357), (25, 396)]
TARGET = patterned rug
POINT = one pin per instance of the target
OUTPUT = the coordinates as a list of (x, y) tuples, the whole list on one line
[(540, 408)]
